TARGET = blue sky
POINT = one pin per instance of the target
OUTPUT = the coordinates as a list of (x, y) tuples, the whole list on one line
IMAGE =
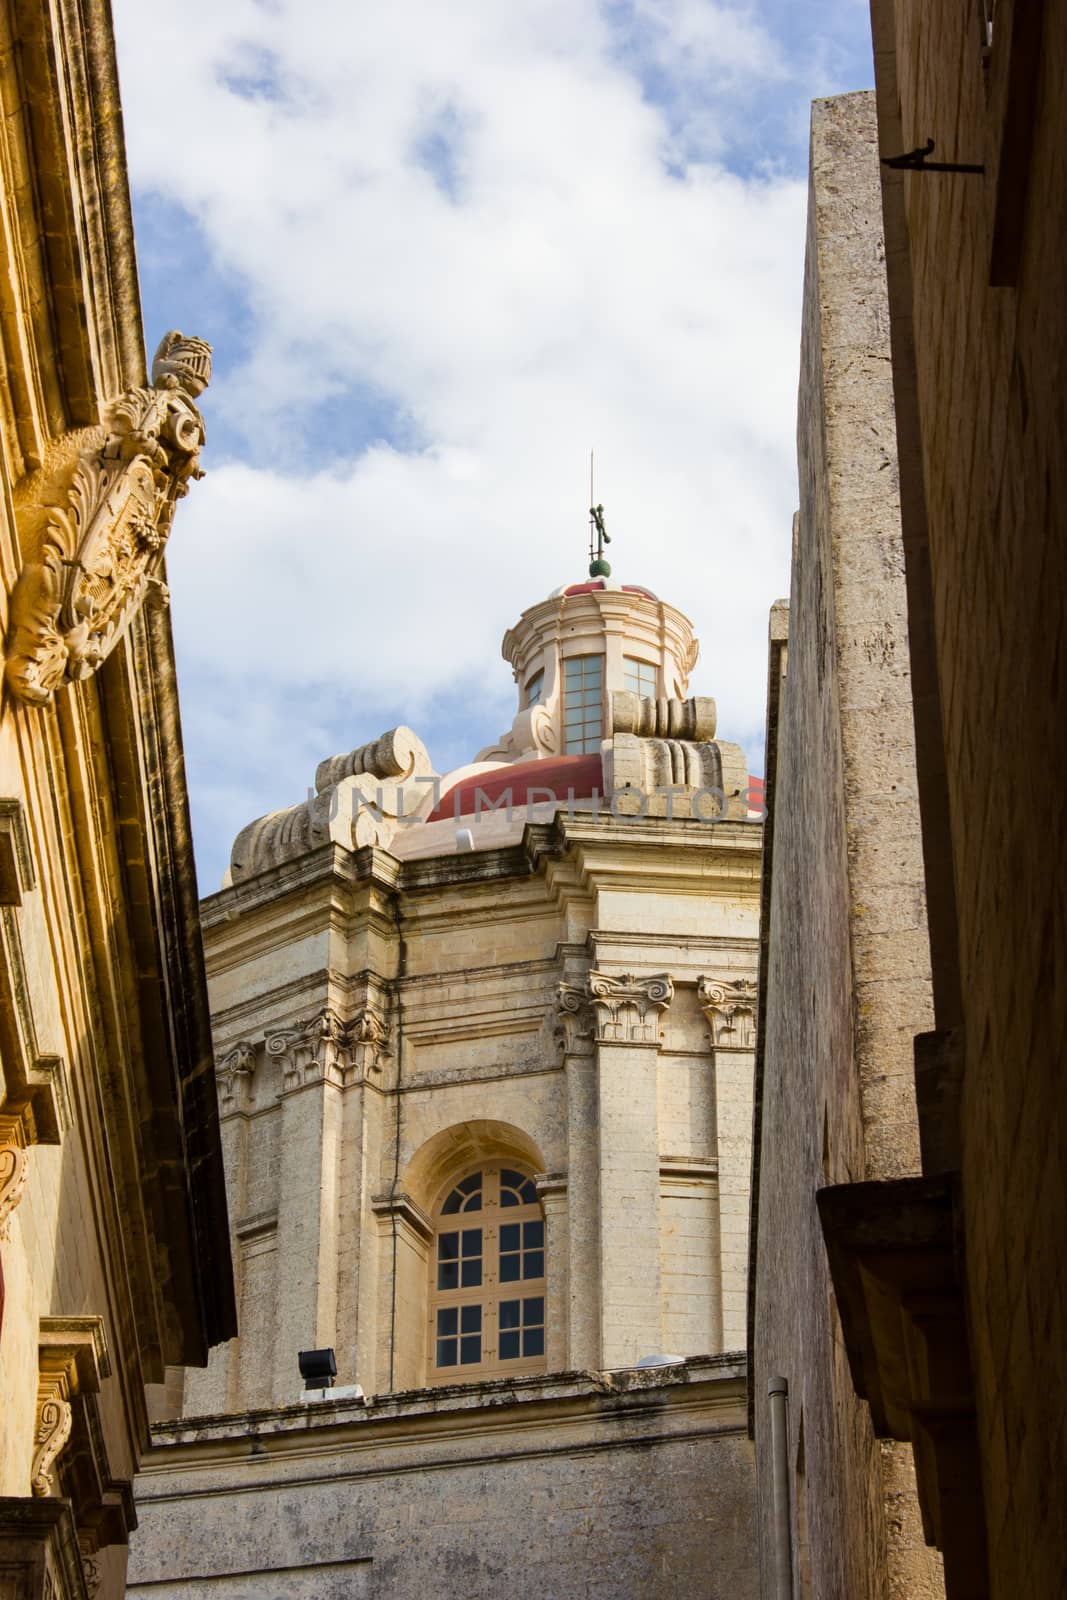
[(441, 252)]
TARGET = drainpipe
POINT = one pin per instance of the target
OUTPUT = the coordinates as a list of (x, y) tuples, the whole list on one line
[(778, 1395)]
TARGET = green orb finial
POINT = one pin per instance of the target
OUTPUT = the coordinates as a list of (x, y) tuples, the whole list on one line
[(600, 568)]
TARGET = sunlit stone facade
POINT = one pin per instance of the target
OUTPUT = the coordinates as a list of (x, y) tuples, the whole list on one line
[(484, 1045)]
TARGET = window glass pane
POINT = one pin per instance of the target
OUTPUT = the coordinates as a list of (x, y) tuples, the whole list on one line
[(533, 1341), (509, 1236), (533, 1264), (447, 1265), (509, 1313), (470, 1319), (453, 1203), (529, 1192), (533, 1310), (472, 1241), (533, 1234), (509, 1346), (446, 1352), (509, 1268), (471, 1275), (471, 1185), (535, 688), (470, 1350), (447, 1320)]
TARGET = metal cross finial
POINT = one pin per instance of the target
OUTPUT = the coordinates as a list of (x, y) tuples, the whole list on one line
[(598, 567)]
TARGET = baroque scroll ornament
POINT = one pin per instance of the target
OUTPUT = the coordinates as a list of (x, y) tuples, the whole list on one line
[(101, 515)]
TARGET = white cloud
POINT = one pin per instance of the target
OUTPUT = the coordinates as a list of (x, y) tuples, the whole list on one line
[(506, 220)]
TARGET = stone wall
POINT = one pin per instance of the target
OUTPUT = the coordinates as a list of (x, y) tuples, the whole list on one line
[(980, 336), (569, 1488), (846, 964)]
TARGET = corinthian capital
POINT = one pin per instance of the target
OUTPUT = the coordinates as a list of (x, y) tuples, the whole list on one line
[(576, 1028), (629, 1009), (729, 1007)]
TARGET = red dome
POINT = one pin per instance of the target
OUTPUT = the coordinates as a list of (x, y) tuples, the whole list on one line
[(598, 583), (562, 779)]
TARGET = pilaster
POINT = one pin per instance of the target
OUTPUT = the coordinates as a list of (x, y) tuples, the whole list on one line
[(313, 1061), (729, 1007), (628, 1013), (577, 1035), (552, 1192)]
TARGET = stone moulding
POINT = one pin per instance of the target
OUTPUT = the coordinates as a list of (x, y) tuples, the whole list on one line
[(729, 1007), (97, 516)]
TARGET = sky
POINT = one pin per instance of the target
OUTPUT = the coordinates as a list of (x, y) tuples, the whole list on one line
[(443, 249)]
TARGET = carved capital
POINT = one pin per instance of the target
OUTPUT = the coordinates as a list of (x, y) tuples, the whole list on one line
[(326, 1050), (234, 1068), (729, 1007), (576, 1028), (97, 517), (629, 1009), (366, 1041), (14, 1168)]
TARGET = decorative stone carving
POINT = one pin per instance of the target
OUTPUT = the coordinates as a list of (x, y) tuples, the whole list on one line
[(532, 736), (92, 1575), (577, 1024), (98, 515), (54, 1421), (729, 1008), (310, 1051), (236, 1065), (400, 753), (72, 1357), (14, 1170), (325, 1049), (651, 718), (361, 798), (366, 1036), (629, 1009)]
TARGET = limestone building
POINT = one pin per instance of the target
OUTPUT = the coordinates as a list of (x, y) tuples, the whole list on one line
[(484, 1046), (917, 1204), (114, 1249), (845, 964)]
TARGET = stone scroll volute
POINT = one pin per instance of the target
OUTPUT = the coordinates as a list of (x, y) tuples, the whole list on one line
[(94, 521)]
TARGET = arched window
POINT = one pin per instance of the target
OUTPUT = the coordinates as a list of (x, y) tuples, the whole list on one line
[(487, 1290)]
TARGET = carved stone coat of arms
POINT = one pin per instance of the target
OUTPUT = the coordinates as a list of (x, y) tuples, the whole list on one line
[(97, 515)]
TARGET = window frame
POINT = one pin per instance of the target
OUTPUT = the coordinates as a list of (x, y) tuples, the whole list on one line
[(650, 672), (583, 704), (493, 1291), (535, 689)]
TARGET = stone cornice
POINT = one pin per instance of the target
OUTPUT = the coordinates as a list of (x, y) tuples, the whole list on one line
[(703, 1393)]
